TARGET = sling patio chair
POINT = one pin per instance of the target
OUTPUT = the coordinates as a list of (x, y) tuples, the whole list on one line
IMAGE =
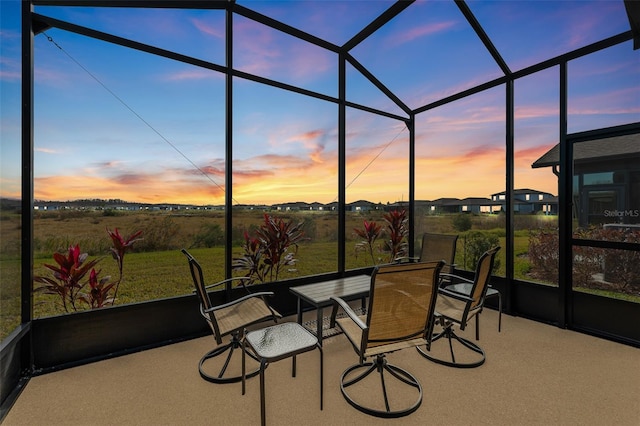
[(437, 247), (400, 315), (453, 308), (228, 319), (466, 287), (443, 246)]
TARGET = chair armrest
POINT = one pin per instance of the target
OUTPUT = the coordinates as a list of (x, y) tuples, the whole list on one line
[(259, 294), (454, 294), (339, 303), (406, 259), (458, 277), (226, 281), (453, 278)]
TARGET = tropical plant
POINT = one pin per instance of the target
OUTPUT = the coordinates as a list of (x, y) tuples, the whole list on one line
[(394, 247), (270, 249), (370, 233), (69, 276), (119, 248), (251, 259)]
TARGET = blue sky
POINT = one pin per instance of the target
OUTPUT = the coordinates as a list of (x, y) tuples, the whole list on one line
[(111, 122)]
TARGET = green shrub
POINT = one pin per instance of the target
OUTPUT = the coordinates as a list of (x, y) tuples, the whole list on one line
[(160, 234), (210, 235), (475, 244), (462, 222)]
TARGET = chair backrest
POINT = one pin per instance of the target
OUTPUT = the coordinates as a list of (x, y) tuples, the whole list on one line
[(198, 281), (402, 302), (201, 292), (439, 247), (482, 277)]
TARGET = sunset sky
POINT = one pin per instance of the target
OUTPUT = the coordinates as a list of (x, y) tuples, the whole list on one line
[(112, 122)]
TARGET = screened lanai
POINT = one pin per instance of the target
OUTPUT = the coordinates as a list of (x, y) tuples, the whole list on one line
[(193, 122)]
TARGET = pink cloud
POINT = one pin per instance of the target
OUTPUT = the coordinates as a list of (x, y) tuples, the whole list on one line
[(527, 154), (208, 29), (411, 34), (9, 69), (132, 179), (268, 53), (194, 74), (313, 140)]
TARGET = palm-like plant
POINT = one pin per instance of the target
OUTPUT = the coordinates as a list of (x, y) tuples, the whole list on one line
[(251, 260), (396, 245), (68, 282), (118, 250), (67, 276), (369, 234), (274, 246)]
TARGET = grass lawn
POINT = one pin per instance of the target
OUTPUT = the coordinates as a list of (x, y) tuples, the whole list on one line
[(157, 269)]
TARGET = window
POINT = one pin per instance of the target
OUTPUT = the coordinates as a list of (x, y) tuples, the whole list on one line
[(10, 171)]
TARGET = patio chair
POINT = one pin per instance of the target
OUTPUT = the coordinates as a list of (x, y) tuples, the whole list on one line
[(437, 247), (400, 315), (466, 288), (453, 308), (228, 319), (442, 246)]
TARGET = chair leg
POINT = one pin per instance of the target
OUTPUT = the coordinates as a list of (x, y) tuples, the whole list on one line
[(499, 312), (229, 350), (452, 336), (381, 366)]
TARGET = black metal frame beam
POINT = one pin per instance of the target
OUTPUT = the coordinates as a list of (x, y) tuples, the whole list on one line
[(288, 29), (555, 61), (228, 174), (488, 44), (377, 23), (142, 4), (510, 187), (633, 13), (365, 72), (121, 41), (565, 257)]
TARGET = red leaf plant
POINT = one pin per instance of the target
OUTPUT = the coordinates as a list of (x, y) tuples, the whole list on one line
[(369, 234), (69, 276), (394, 246), (274, 246), (119, 248), (251, 260)]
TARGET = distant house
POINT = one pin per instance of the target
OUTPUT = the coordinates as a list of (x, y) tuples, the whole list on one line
[(529, 201), (290, 207), (444, 205), (456, 205), (363, 206), (606, 178), (479, 205)]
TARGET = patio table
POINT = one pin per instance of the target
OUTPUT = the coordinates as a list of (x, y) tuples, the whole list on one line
[(319, 295)]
